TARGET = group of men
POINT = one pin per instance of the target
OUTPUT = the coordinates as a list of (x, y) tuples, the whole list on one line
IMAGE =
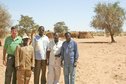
[(21, 58)]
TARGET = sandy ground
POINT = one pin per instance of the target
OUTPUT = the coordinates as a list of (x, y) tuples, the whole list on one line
[(100, 62)]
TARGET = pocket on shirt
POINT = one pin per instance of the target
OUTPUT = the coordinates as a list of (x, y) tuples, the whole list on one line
[(71, 48)]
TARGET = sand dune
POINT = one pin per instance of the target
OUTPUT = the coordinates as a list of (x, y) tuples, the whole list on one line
[(100, 62)]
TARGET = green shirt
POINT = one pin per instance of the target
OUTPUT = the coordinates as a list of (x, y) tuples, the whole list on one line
[(10, 44)]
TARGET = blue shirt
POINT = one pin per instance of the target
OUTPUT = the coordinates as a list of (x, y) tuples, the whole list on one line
[(69, 52)]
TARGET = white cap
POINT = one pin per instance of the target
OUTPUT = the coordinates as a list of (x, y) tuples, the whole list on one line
[(25, 36)]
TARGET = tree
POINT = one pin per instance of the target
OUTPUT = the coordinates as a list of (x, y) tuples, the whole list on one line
[(60, 27), (109, 17), (26, 25), (5, 21)]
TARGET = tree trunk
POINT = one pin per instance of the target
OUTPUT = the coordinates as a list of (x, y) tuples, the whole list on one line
[(111, 34), (112, 38), (0, 43)]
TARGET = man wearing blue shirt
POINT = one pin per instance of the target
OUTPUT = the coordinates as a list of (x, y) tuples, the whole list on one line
[(69, 57)]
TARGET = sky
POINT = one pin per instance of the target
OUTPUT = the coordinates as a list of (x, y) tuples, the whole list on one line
[(77, 14)]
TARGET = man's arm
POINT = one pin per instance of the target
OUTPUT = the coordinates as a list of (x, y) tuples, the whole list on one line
[(76, 54), (4, 57), (62, 54), (48, 56), (48, 52), (17, 52), (32, 60), (5, 52)]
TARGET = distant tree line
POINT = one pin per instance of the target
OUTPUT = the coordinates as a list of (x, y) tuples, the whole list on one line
[(109, 17)]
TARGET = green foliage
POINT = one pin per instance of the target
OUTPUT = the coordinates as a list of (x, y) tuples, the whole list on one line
[(60, 27), (26, 22), (109, 17), (4, 20), (26, 25)]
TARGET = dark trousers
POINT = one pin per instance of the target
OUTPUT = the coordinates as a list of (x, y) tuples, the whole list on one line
[(10, 74), (40, 66)]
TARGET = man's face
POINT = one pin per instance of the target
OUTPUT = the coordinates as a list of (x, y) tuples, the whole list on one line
[(25, 40), (14, 32), (56, 36), (41, 30), (68, 37)]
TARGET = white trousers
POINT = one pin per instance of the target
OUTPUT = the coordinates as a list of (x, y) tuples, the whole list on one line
[(53, 75)]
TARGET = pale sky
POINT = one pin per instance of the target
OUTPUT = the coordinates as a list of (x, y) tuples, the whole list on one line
[(77, 14)]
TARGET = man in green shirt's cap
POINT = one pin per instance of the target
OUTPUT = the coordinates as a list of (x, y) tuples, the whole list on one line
[(11, 42)]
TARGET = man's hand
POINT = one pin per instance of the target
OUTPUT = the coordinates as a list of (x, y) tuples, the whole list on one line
[(75, 64), (4, 57), (62, 64), (4, 62), (57, 55), (32, 68), (17, 68)]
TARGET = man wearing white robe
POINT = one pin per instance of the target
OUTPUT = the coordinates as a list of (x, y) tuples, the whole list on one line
[(54, 60)]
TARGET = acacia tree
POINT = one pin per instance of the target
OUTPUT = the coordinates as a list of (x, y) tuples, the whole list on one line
[(4, 21), (109, 17), (60, 27), (26, 25)]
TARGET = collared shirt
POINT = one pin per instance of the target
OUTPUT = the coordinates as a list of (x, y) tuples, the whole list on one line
[(11, 44), (55, 49), (40, 45), (24, 57), (69, 52)]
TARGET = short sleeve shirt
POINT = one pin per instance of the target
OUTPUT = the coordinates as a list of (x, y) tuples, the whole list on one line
[(11, 44)]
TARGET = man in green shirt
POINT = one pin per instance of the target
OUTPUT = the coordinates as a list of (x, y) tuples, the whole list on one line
[(11, 42)]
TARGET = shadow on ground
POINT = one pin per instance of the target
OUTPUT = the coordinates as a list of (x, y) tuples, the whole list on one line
[(99, 42)]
